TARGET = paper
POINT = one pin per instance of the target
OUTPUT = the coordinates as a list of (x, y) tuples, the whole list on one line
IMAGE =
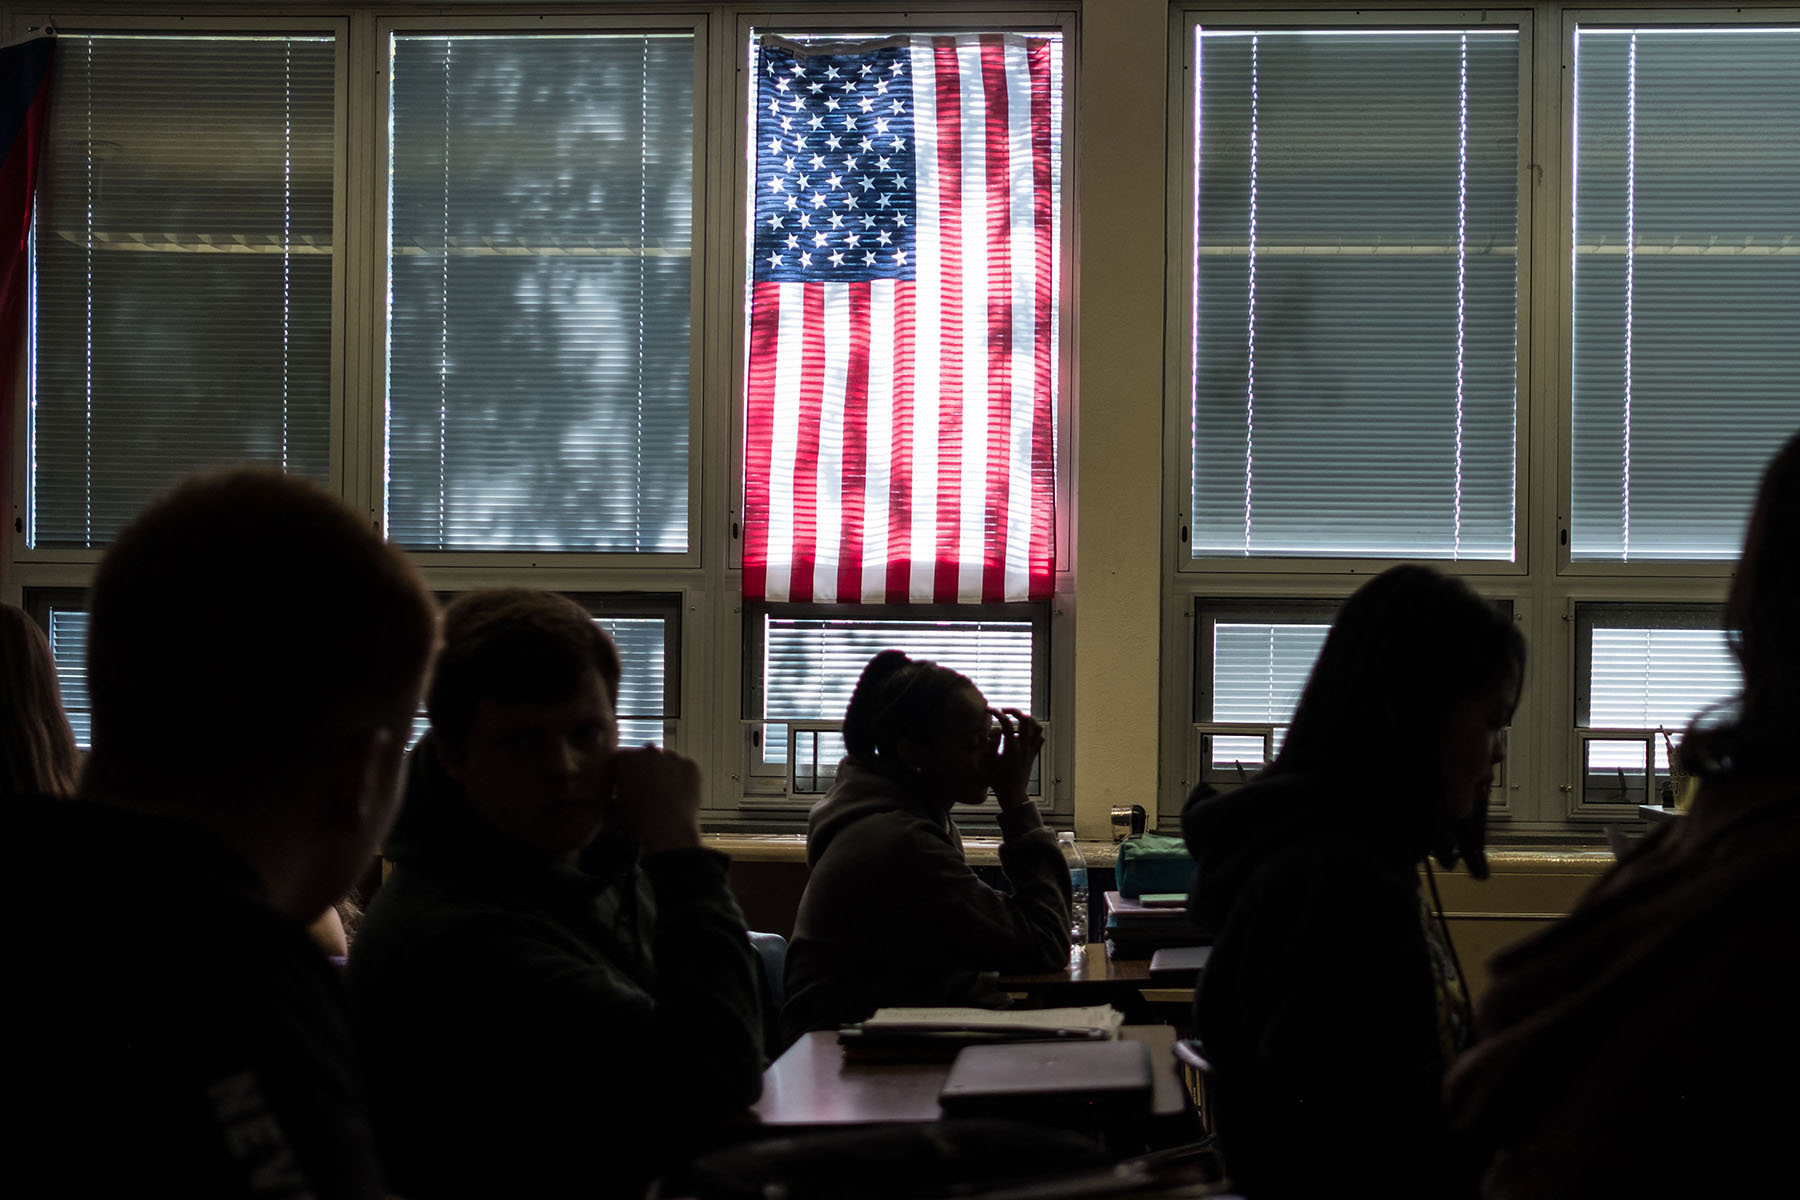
[(1103, 1017)]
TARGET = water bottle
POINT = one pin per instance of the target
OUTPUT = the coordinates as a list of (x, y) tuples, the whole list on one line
[(1078, 888)]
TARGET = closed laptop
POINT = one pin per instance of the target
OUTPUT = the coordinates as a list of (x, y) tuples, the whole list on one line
[(1049, 1080)]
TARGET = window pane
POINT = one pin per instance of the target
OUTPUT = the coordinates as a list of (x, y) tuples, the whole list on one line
[(1643, 678), (1258, 672), (68, 650), (1355, 281), (643, 683), (1687, 284), (182, 271), (811, 665), (540, 242)]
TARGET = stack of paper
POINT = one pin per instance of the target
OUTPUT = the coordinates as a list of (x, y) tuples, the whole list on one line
[(948, 1029), (1138, 930)]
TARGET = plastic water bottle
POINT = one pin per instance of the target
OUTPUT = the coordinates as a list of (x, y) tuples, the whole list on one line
[(1078, 887)]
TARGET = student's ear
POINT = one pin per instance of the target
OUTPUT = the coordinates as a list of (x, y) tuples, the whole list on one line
[(912, 755)]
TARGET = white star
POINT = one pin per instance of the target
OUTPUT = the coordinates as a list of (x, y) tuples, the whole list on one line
[(777, 183), (837, 258), (793, 202), (795, 104), (837, 220), (849, 121), (805, 220), (774, 221), (899, 144), (781, 85), (883, 202), (868, 258), (815, 87), (881, 125), (896, 107), (788, 163), (899, 218), (787, 124), (900, 257), (882, 237), (849, 162), (850, 200), (819, 239), (868, 144), (801, 183), (868, 185), (834, 181), (774, 105), (805, 259), (797, 69), (831, 143), (899, 183), (774, 145), (849, 87), (881, 164), (831, 72), (818, 162), (770, 66), (866, 68), (868, 222), (774, 260), (850, 239), (831, 103), (865, 104), (897, 69), (815, 122), (818, 199), (881, 87), (793, 241)]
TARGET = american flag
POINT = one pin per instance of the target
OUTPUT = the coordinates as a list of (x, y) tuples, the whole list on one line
[(900, 436)]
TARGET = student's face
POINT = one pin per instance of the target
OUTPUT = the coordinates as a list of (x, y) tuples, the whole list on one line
[(957, 763), (1474, 745), (538, 772)]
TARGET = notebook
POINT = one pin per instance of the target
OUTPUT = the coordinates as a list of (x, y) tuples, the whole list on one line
[(1179, 964), (1049, 1080)]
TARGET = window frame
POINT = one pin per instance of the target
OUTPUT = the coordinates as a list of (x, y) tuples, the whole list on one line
[(1179, 301)]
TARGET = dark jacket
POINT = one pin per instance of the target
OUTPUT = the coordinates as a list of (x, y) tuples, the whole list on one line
[(892, 914), (1647, 1044), (172, 1033), (536, 1030), (1322, 1007)]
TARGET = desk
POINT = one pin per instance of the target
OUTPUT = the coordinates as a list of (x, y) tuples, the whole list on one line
[(1095, 978), (811, 1086)]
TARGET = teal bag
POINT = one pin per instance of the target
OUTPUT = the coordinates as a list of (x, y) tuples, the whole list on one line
[(1154, 862)]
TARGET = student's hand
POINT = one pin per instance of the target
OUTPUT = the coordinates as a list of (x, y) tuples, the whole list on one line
[(1019, 740), (655, 798)]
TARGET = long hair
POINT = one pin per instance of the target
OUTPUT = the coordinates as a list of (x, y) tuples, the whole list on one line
[(37, 750), (1406, 648), (896, 697), (1762, 613)]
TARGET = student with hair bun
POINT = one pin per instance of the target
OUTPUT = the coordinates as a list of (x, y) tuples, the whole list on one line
[(892, 913)]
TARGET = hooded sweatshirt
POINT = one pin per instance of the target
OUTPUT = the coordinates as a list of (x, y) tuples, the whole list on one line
[(893, 915), (534, 1029), (1325, 1008)]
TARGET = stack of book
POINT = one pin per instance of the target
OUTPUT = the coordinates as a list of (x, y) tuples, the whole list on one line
[(1138, 928)]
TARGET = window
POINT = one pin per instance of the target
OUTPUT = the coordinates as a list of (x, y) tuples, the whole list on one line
[(1685, 166), (1253, 662), (807, 661), (1355, 271), (540, 261), (183, 285), (1646, 672)]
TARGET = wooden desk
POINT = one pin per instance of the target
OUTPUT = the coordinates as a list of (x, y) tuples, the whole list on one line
[(811, 1086), (1095, 978)]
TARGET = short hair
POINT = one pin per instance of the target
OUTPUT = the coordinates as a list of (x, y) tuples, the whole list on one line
[(37, 749), (896, 697), (1405, 648), (240, 624), (513, 645)]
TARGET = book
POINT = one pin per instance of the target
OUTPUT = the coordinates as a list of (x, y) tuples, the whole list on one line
[(925, 1032)]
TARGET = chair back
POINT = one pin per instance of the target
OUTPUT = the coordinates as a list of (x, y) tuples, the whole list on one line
[(771, 965)]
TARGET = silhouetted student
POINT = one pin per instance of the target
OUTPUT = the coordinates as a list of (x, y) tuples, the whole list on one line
[(37, 750), (254, 658), (1332, 1004), (1648, 1045), (892, 914), (555, 983)]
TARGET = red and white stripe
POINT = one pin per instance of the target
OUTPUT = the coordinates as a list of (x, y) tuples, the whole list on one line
[(900, 437)]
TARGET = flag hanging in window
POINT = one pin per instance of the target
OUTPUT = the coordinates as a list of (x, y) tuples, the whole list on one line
[(901, 375)]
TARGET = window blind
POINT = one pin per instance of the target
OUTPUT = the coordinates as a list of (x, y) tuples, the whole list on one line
[(1687, 284), (811, 665), (1355, 293), (643, 682), (182, 271), (540, 248), (1258, 672), (1640, 678), (68, 651)]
